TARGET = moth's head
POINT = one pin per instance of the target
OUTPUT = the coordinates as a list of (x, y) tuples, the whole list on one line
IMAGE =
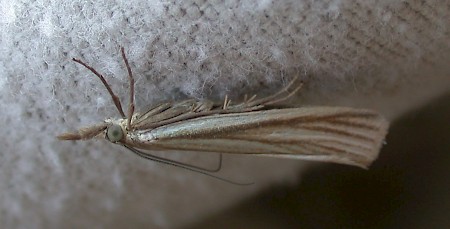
[(110, 130)]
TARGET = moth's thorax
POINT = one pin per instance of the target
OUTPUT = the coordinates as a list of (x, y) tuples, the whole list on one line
[(141, 136)]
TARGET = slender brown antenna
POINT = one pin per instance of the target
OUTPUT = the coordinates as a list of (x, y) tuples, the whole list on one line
[(113, 96), (130, 77)]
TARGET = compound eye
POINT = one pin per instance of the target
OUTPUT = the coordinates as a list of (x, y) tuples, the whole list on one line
[(114, 133)]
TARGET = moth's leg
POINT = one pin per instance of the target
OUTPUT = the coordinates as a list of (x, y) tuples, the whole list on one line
[(151, 112), (131, 79), (250, 100), (156, 109), (169, 110), (275, 98), (176, 112), (152, 157), (226, 103), (292, 93), (183, 166), (214, 170), (201, 106), (224, 107), (111, 93)]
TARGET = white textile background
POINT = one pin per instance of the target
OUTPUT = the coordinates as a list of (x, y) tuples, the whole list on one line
[(386, 56)]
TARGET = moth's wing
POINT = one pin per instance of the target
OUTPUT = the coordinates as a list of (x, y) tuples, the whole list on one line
[(331, 134)]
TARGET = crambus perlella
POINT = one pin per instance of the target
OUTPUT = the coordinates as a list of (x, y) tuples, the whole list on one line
[(330, 134)]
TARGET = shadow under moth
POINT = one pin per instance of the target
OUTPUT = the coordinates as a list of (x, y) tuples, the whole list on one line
[(319, 133)]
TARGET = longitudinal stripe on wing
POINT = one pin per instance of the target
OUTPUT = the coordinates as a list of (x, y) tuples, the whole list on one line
[(313, 141), (342, 131)]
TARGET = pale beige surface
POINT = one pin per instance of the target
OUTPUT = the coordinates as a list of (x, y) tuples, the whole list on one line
[(386, 56)]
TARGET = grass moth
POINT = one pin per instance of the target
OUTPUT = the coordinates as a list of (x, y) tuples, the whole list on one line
[(318, 133)]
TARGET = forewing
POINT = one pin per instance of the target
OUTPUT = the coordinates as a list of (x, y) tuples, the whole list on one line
[(332, 134)]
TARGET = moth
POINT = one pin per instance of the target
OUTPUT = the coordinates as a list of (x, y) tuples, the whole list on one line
[(319, 133)]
